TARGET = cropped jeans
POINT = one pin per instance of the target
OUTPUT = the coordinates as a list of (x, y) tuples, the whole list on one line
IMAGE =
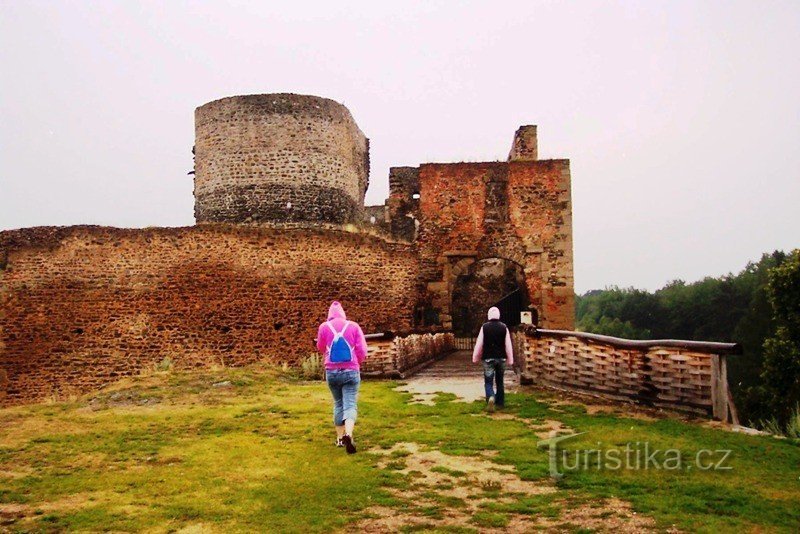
[(344, 384), (493, 371)]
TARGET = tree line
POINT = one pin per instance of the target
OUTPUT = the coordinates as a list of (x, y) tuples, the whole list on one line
[(758, 308)]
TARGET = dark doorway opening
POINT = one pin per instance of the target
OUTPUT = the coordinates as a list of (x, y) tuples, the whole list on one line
[(510, 307), (490, 282)]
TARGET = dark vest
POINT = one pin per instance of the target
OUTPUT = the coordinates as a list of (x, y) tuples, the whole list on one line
[(494, 340)]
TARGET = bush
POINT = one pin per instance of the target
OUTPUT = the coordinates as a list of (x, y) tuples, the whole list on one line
[(312, 367), (790, 430), (165, 365)]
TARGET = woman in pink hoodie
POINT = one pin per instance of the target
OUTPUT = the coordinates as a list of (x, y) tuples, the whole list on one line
[(344, 346)]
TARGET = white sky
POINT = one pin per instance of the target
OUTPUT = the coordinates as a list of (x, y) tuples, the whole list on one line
[(681, 119)]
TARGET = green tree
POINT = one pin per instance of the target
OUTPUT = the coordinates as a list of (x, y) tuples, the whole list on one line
[(781, 373)]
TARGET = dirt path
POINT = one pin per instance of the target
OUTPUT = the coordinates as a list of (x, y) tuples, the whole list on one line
[(471, 492), (454, 374), (474, 492)]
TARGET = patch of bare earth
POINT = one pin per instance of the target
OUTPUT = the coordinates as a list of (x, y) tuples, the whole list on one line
[(608, 515), (198, 528), (546, 429), (447, 491), (424, 390), (595, 404), (19, 431), (19, 514), (14, 472)]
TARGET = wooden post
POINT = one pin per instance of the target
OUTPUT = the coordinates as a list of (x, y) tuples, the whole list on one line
[(732, 408), (723, 369), (719, 387)]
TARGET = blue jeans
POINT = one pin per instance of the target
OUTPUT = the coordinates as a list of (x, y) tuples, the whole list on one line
[(493, 371), (344, 384)]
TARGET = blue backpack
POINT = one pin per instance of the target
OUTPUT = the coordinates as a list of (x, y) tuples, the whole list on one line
[(340, 350)]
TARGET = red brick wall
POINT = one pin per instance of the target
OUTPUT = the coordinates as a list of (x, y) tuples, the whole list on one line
[(541, 215), (526, 218), (82, 306)]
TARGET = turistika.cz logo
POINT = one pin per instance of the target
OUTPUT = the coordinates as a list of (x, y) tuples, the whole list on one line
[(633, 456)]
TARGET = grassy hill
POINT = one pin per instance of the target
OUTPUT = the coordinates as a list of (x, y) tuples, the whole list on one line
[(249, 450)]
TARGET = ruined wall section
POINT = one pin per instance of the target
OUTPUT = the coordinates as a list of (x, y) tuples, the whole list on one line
[(403, 201), (519, 211), (540, 207), (278, 157), (376, 218), (81, 307), (526, 144)]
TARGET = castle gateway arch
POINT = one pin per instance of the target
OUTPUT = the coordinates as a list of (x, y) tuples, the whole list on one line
[(489, 282)]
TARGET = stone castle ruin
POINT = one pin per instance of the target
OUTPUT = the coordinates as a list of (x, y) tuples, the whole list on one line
[(478, 232), (278, 158), (281, 231)]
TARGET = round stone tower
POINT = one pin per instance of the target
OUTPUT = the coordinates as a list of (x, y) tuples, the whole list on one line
[(280, 158)]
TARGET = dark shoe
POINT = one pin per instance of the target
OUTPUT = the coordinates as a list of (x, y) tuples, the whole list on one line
[(348, 444), (490, 404)]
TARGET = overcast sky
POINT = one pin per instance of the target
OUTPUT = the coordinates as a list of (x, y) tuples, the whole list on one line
[(681, 119)]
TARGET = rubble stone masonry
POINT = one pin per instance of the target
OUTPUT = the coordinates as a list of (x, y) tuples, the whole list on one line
[(82, 306), (283, 230), (278, 157), (518, 211)]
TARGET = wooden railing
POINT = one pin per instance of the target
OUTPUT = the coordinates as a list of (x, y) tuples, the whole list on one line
[(398, 356), (676, 374), (464, 343)]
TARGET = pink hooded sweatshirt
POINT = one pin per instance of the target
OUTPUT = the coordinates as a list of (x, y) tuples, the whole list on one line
[(353, 335)]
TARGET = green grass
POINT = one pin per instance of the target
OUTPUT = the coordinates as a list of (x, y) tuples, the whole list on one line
[(449, 472), (171, 451), (490, 519)]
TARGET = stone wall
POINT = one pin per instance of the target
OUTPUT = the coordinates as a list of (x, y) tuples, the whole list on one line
[(278, 157), (83, 306), (519, 211), (680, 375), (403, 201), (526, 144)]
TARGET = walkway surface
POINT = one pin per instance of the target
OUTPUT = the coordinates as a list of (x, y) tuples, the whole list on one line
[(454, 374)]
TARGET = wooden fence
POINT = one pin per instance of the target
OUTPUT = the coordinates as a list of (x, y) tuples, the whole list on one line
[(399, 356), (464, 343), (680, 375)]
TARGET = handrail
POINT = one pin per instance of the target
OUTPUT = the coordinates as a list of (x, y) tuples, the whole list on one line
[(378, 335), (703, 346)]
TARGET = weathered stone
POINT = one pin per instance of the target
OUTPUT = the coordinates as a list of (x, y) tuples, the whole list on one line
[(278, 157), (83, 306), (526, 144)]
